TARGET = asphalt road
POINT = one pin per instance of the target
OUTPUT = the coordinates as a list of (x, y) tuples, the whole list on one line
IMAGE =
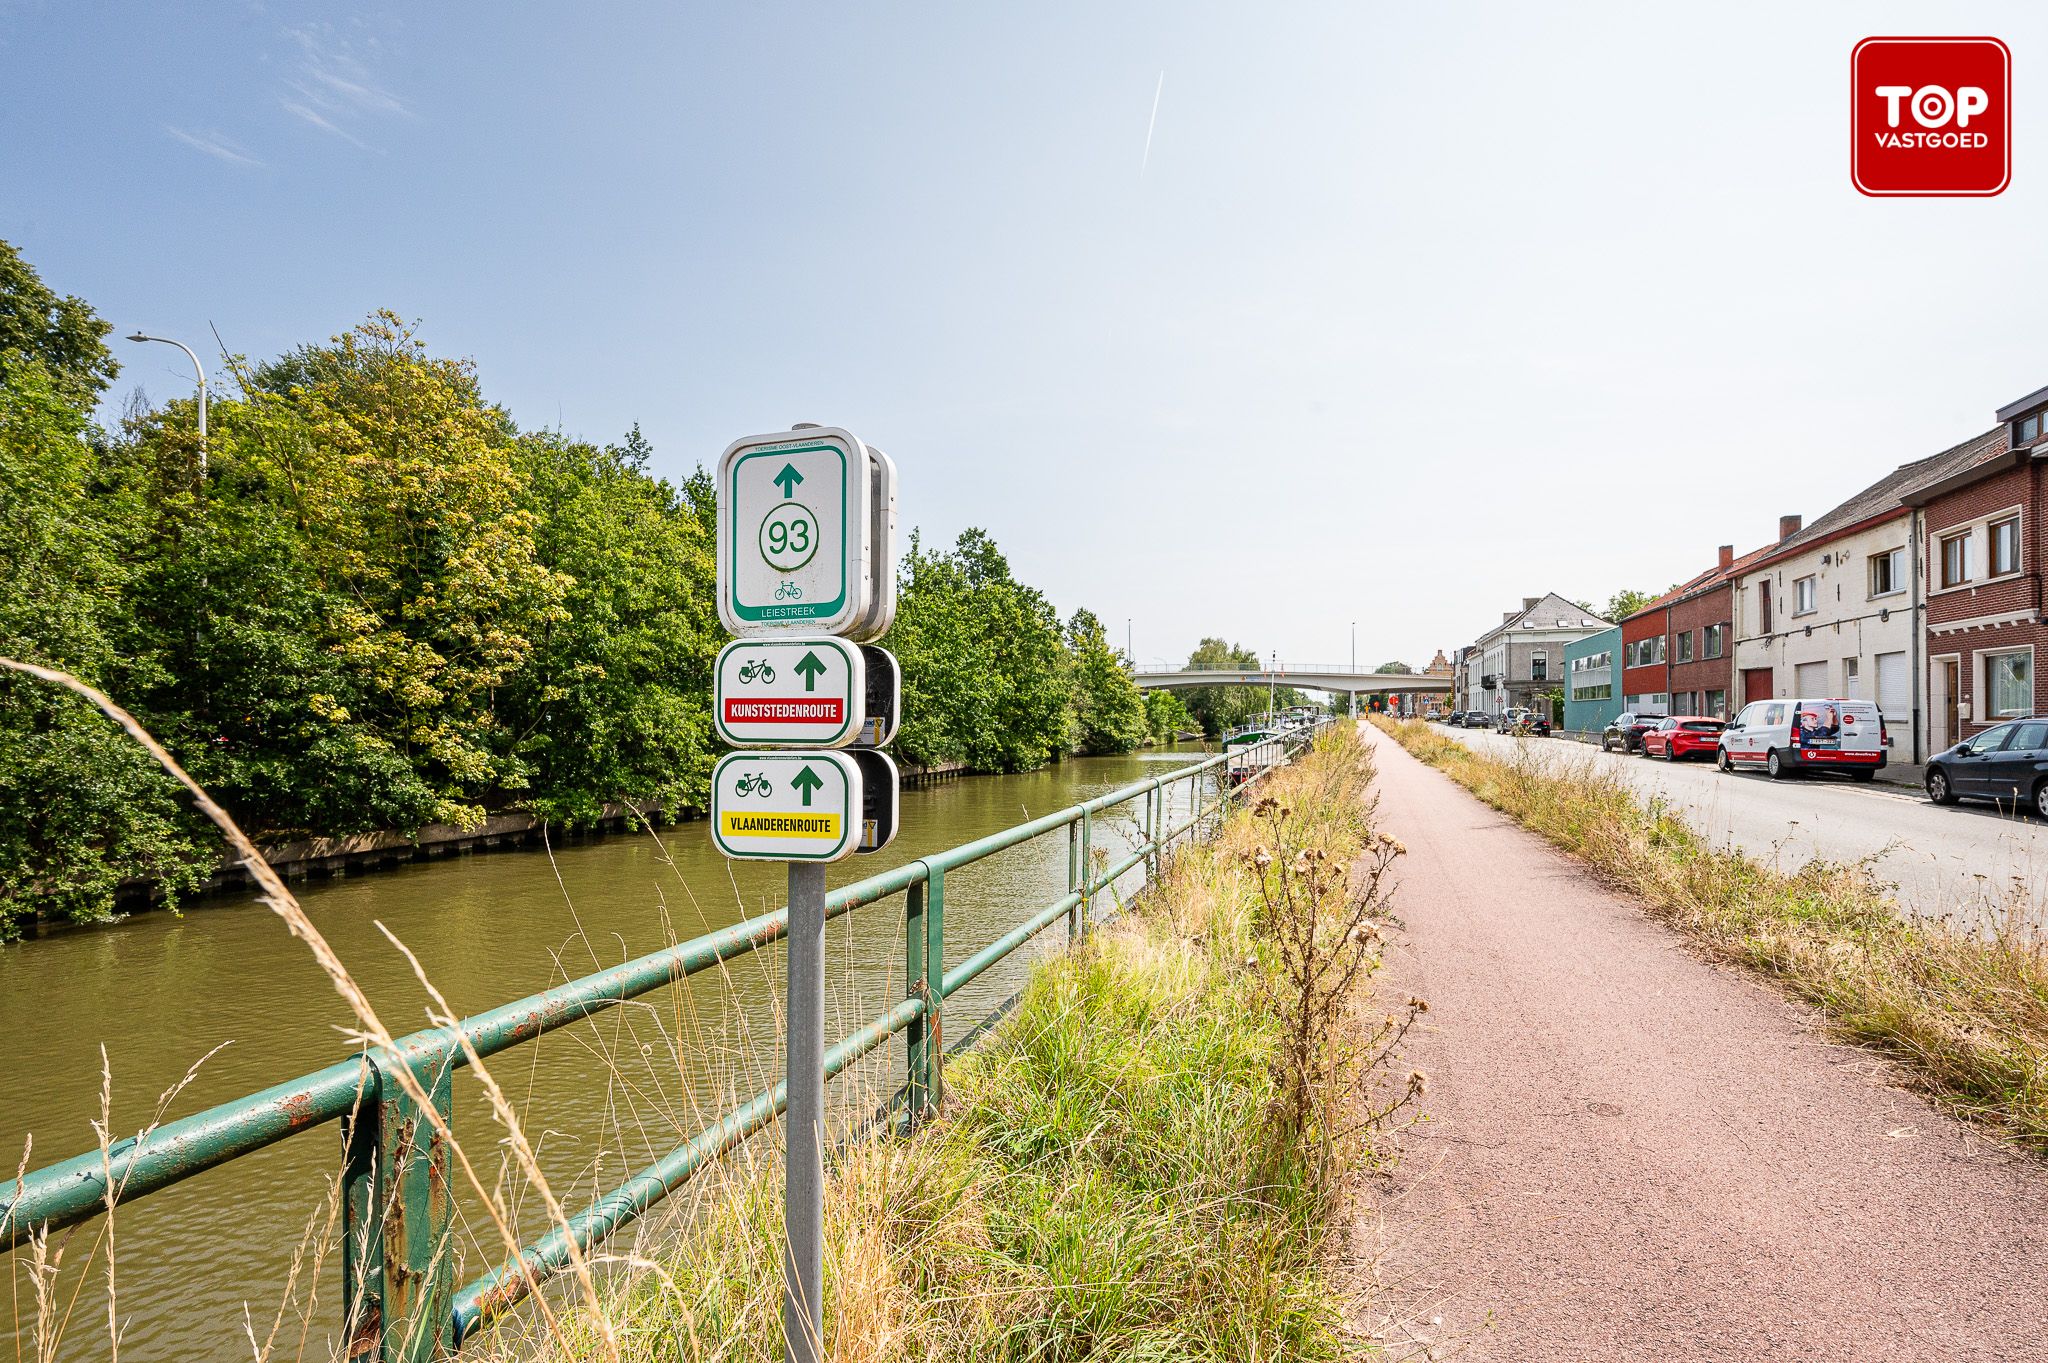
[(1630, 1152), (1966, 861)]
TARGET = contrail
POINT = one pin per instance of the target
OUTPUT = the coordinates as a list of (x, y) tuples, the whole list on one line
[(1152, 123)]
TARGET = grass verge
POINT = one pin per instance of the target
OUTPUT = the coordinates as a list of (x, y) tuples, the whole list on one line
[(1118, 1173), (1966, 1014)]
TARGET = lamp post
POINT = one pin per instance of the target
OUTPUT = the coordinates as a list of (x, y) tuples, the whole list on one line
[(198, 370), (1272, 683)]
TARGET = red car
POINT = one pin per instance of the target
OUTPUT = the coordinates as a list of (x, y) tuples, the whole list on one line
[(1684, 736)]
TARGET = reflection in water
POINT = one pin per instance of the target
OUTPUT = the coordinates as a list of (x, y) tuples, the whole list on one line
[(599, 1098)]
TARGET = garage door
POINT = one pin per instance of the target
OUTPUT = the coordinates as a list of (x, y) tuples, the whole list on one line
[(1894, 687), (1810, 679)]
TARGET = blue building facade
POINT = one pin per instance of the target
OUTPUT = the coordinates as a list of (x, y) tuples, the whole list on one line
[(1592, 682)]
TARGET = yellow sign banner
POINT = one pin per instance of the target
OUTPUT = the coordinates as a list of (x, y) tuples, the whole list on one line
[(737, 824)]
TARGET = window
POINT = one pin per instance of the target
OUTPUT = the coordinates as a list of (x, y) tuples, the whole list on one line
[(1684, 638), (1593, 690), (1852, 678), (2029, 738), (2009, 683), (2005, 546), (1763, 606), (1888, 572), (2026, 428), (1717, 704), (1955, 560), (1539, 665), (1774, 713), (1714, 639), (1646, 652), (1805, 593)]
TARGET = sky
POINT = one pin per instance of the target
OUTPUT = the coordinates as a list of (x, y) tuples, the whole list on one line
[(1224, 319)]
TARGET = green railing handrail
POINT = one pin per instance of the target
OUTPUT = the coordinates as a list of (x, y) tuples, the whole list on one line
[(75, 1190)]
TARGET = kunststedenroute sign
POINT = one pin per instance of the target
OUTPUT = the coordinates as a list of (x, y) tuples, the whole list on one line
[(794, 547), (786, 806), (802, 690)]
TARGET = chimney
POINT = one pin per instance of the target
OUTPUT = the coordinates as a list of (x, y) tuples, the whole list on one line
[(1506, 616), (1529, 603), (1788, 526), (1727, 557)]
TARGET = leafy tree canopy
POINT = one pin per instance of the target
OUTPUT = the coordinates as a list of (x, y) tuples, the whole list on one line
[(63, 334)]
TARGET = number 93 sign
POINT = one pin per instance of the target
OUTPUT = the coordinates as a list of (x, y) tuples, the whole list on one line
[(795, 532)]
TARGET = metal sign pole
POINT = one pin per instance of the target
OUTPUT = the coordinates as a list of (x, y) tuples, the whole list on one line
[(803, 1206)]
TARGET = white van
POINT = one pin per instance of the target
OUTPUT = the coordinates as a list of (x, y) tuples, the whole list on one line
[(1784, 736)]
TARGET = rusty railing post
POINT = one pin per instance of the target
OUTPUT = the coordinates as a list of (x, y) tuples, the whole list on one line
[(398, 1268), (917, 985)]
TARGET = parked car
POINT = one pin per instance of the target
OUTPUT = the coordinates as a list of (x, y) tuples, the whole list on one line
[(1533, 722), (1478, 719), (1682, 736), (1454, 718), (2008, 764), (1626, 731), (1783, 736)]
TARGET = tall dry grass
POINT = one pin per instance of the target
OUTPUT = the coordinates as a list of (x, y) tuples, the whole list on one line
[(1965, 1014)]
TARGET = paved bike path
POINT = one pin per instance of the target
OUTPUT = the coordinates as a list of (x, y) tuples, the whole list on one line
[(1632, 1153)]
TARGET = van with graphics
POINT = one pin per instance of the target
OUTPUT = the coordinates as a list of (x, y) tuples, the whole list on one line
[(1780, 737)]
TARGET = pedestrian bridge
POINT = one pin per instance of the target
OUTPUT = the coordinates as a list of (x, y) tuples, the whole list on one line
[(1304, 676)]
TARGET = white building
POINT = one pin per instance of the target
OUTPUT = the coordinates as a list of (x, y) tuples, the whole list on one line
[(1835, 609), (1522, 657)]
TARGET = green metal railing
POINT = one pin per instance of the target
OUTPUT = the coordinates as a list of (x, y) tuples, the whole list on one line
[(400, 1298)]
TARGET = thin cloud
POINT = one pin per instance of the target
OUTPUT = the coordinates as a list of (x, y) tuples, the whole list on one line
[(214, 145), (1152, 123), (332, 90)]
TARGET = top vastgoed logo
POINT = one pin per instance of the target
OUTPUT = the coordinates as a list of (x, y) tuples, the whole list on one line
[(1930, 117)]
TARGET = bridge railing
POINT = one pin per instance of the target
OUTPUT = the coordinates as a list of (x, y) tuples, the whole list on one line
[(400, 1299)]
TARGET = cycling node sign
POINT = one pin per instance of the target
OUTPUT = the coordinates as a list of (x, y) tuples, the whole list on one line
[(795, 543), (786, 806), (801, 690)]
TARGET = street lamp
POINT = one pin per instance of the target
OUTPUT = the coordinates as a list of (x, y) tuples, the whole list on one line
[(197, 369), (1272, 682)]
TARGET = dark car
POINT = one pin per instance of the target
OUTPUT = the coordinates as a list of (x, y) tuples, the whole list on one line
[(2008, 764), (1536, 724), (1627, 730), (1454, 718), (1478, 719)]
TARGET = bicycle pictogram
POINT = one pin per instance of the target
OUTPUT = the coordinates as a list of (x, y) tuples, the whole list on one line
[(757, 671), (789, 591), (754, 783)]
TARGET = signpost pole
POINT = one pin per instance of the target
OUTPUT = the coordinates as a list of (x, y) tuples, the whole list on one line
[(803, 1208)]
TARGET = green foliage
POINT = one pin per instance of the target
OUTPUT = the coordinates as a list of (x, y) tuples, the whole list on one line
[(1167, 716), (1626, 602), (62, 334), (1220, 708), (1399, 668), (81, 807), (1108, 714), (984, 663)]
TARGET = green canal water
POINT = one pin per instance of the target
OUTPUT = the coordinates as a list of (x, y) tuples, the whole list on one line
[(225, 994)]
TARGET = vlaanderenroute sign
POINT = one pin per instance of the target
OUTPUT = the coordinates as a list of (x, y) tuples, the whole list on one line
[(786, 806), (809, 691), (794, 533)]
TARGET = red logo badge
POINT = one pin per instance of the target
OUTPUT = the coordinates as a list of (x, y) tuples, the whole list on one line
[(1930, 117)]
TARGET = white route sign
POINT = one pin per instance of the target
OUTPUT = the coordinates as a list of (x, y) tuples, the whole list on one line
[(804, 691), (786, 806), (795, 550)]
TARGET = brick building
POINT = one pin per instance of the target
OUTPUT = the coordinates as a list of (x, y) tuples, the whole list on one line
[(1701, 648), (1983, 549)]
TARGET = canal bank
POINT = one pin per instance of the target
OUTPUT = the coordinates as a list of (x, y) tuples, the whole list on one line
[(230, 984)]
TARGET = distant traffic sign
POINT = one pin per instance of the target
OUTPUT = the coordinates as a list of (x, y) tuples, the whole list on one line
[(785, 806), (808, 691), (794, 547)]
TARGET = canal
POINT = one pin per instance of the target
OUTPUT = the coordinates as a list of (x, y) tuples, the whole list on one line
[(225, 995)]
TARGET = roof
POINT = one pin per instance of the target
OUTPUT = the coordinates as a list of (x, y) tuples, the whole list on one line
[(1550, 606), (1890, 494), (2013, 409), (1678, 593)]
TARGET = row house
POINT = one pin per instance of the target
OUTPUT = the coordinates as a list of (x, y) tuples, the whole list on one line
[(1982, 542), (1591, 700), (1677, 653), (1835, 608), (1521, 659)]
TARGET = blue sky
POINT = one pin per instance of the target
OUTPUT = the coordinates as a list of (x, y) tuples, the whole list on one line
[(1409, 311)]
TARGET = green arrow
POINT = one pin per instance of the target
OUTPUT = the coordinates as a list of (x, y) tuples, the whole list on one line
[(806, 781), (788, 479), (810, 669)]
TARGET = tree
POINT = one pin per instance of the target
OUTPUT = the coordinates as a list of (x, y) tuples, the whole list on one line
[(1220, 708), (1398, 667), (63, 333), (614, 704), (82, 808), (1108, 715), (1625, 602), (1167, 716), (984, 665)]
